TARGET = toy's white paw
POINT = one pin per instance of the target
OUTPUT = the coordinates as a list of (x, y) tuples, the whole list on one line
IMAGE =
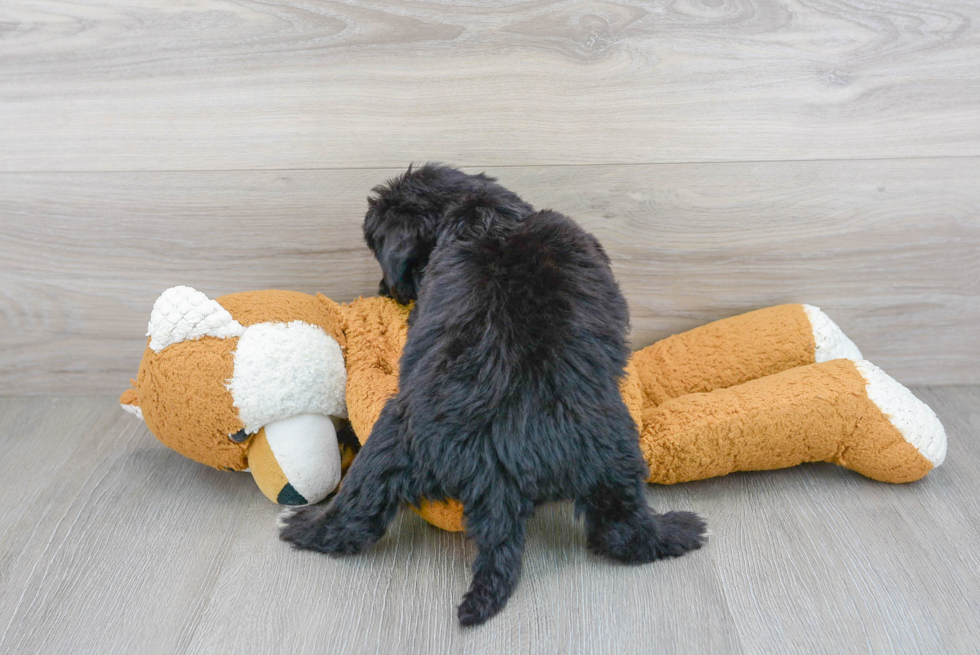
[(829, 340), (914, 419)]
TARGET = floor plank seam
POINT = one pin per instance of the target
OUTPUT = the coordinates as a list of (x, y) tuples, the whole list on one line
[(471, 165)]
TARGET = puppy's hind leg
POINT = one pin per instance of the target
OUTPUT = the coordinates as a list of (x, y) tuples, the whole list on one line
[(620, 525), (368, 499), (625, 529), (495, 521)]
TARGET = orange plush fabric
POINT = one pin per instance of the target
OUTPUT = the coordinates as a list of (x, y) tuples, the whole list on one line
[(375, 329), (251, 307), (181, 392), (814, 413), (725, 353)]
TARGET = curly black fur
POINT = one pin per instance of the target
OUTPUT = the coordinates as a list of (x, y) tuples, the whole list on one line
[(509, 392), (408, 215)]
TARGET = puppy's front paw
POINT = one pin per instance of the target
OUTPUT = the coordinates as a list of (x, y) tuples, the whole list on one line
[(320, 529)]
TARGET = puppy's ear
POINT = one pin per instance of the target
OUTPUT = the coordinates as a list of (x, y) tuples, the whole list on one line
[(403, 256), (394, 262)]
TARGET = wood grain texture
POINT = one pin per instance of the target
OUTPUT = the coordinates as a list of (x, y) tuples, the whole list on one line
[(263, 84), (891, 250), (100, 557), (116, 544)]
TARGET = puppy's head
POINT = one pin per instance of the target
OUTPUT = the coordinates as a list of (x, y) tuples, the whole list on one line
[(408, 214)]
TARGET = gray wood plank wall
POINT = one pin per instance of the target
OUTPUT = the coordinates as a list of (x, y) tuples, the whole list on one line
[(730, 155)]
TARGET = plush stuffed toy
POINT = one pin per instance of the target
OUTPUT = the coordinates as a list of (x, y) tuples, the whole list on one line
[(253, 380), (769, 389)]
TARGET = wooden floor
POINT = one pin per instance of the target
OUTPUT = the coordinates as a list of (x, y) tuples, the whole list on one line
[(110, 543)]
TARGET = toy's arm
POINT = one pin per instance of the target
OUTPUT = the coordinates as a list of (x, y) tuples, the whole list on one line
[(376, 329), (738, 349), (847, 412)]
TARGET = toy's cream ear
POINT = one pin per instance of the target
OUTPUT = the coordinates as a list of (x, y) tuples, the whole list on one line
[(129, 401), (184, 313)]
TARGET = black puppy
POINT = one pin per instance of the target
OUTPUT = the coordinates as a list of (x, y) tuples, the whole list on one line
[(509, 387)]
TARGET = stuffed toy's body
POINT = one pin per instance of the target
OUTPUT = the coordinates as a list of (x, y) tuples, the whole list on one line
[(768, 389), (764, 390)]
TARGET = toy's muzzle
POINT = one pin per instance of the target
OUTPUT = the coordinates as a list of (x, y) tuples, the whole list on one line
[(296, 461)]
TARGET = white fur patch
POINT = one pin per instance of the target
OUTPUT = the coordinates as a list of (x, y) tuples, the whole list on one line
[(284, 369), (134, 410), (829, 340), (305, 447), (184, 313), (911, 417)]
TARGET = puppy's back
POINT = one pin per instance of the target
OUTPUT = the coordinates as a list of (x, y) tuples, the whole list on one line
[(518, 342), (549, 285)]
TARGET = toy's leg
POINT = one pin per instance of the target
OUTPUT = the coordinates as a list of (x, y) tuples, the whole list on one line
[(495, 521), (378, 480), (619, 523), (738, 349), (841, 411)]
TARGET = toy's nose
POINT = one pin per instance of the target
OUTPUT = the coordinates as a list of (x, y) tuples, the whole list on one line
[(289, 496)]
